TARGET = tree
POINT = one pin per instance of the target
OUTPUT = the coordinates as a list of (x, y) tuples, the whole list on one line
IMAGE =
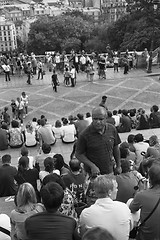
[(50, 33)]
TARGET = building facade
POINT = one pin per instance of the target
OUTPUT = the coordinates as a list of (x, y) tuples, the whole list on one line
[(8, 39)]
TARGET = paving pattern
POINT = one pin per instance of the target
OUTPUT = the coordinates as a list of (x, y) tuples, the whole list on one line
[(134, 90), (131, 91)]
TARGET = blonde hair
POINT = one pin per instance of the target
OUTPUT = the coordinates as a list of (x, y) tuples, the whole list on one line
[(102, 185), (26, 196)]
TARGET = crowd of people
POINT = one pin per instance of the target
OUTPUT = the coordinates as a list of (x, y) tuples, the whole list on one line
[(102, 193), (67, 64)]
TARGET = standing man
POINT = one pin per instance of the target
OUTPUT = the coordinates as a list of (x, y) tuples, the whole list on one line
[(7, 70), (40, 69), (97, 146), (7, 174), (73, 76), (103, 102)]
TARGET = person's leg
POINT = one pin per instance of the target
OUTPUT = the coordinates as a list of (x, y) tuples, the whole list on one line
[(55, 87), (41, 74), (38, 75)]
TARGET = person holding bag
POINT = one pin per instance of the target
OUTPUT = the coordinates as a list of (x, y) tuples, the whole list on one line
[(149, 203)]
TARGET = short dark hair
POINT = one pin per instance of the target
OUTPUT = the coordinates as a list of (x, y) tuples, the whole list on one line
[(88, 114), (109, 114), (123, 152), (42, 122), (14, 124), (34, 119), (125, 165), (97, 233), (131, 138), (154, 174), (80, 116), (138, 137), (53, 177), (24, 151), (155, 108), (46, 148), (125, 112), (6, 158), (114, 112), (104, 97), (74, 164), (52, 195)]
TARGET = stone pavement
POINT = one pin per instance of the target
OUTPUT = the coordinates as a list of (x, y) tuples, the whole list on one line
[(134, 90)]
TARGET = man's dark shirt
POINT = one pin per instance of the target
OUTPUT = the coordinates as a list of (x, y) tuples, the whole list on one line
[(98, 148), (49, 226), (7, 185)]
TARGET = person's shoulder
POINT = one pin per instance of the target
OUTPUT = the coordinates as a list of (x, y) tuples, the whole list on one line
[(121, 205)]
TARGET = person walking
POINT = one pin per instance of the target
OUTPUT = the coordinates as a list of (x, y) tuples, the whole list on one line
[(55, 82)]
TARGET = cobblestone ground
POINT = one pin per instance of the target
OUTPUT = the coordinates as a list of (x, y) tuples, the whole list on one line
[(134, 90)]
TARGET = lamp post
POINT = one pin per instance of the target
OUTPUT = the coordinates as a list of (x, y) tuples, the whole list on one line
[(155, 6)]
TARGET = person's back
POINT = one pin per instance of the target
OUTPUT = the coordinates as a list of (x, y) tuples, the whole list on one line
[(46, 134), (51, 224), (3, 139), (114, 216), (126, 184), (7, 174), (125, 124)]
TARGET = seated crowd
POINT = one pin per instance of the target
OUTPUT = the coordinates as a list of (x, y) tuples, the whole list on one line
[(63, 201)]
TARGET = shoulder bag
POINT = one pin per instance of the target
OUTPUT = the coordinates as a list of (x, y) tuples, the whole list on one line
[(135, 231), (4, 230)]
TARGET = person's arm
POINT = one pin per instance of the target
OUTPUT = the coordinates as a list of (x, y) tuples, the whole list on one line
[(81, 156), (135, 205), (116, 154)]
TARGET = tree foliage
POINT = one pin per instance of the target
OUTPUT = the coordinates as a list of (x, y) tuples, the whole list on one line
[(50, 33)]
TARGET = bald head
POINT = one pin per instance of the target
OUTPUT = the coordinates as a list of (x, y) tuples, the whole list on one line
[(99, 111), (99, 116)]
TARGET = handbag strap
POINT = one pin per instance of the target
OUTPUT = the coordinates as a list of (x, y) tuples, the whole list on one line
[(4, 230), (150, 213)]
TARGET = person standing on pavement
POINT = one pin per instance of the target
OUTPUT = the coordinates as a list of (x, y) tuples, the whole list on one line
[(40, 69), (55, 82), (29, 72), (97, 146), (7, 70), (73, 76)]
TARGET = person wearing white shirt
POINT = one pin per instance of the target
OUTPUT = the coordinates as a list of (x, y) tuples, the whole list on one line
[(20, 109), (114, 216), (83, 62), (73, 76), (69, 132), (24, 99), (116, 118)]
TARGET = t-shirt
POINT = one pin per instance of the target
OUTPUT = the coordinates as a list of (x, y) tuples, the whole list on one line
[(46, 134), (50, 226), (31, 176), (75, 182), (15, 137), (98, 148)]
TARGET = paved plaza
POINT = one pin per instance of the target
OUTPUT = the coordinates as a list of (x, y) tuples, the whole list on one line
[(134, 90)]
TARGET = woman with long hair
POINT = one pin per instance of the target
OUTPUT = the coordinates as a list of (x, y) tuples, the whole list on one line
[(25, 174), (26, 206)]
